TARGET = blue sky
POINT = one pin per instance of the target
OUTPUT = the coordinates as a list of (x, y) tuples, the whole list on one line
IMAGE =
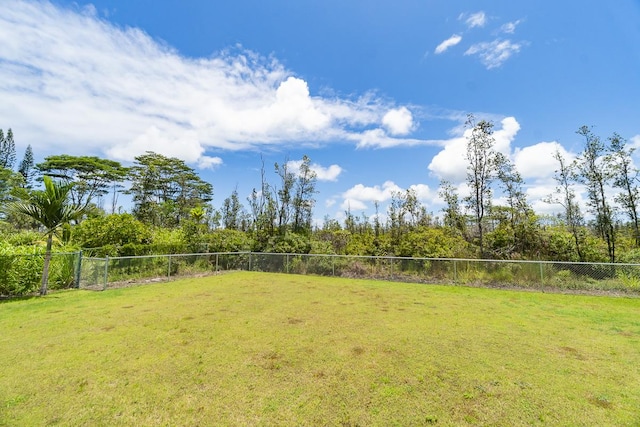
[(375, 93)]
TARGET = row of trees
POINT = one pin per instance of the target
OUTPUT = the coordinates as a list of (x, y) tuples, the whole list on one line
[(601, 168), (169, 197)]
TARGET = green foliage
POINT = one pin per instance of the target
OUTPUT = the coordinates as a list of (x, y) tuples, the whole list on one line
[(62, 271), (24, 238), (92, 176), (7, 150), (482, 169), (321, 247), (336, 238), (168, 241), (596, 175), (26, 168), (228, 241), (114, 229), (165, 189), (431, 242), (51, 208), (630, 257), (9, 181), (289, 243), (360, 244), (20, 269)]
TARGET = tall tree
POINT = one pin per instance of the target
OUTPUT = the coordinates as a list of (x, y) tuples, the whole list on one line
[(564, 195), (232, 212), (26, 168), (165, 189), (483, 165), (7, 150), (285, 194), (264, 211), (9, 181), (593, 173), (51, 208), (625, 178), (303, 200), (519, 210), (93, 176), (453, 216), (405, 212)]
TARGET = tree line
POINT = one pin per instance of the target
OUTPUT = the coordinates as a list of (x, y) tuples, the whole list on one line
[(171, 206)]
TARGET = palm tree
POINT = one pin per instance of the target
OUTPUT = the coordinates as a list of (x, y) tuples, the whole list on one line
[(51, 208)]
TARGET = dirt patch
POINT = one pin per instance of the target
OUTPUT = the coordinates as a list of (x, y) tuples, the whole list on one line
[(135, 282)]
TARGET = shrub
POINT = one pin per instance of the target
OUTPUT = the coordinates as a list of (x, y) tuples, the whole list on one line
[(228, 240), (20, 269)]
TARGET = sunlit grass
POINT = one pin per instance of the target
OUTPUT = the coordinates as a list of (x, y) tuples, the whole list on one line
[(274, 349)]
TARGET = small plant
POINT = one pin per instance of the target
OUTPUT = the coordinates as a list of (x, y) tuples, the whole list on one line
[(629, 280)]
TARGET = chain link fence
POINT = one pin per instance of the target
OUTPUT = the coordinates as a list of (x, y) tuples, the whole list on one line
[(110, 272), (104, 273), (21, 274)]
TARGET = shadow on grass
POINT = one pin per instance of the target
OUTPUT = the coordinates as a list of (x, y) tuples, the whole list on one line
[(5, 299)]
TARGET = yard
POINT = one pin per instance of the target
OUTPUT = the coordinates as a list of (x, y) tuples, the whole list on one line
[(274, 349)]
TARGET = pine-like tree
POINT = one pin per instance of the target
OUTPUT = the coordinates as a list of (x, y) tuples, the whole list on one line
[(26, 168), (7, 150)]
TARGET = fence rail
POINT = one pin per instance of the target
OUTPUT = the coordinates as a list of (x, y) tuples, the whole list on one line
[(104, 273), (21, 274)]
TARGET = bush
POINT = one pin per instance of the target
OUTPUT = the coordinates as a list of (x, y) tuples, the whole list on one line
[(228, 240), (20, 270), (111, 230), (62, 271)]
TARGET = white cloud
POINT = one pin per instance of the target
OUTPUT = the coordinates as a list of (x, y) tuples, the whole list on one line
[(510, 27), (378, 138), (207, 162), (353, 205), (167, 142), (423, 192), (450, 42), (72, 82), (451, 163), (371, 194), (478, 19), (356, 196), (327, 174), (330, 173), (359, 196), (398, 121), (505, 135), (635, 142), (494, 54), (537, 161)]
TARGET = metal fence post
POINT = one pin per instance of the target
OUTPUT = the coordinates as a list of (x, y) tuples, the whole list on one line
[(455, 271), (78, 269), (541, 275), (217, 262), (169, 268), (250, 261), (333, 265), (287, 264), (106, 272)]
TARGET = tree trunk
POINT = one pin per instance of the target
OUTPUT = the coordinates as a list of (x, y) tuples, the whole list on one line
[(45, 268)]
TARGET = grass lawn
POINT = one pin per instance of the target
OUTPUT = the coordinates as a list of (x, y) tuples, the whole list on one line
[(274, 349)]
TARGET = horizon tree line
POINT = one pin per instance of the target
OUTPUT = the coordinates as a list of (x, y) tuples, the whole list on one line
[(167, 193)]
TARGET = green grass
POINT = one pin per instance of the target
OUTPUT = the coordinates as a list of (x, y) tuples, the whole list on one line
[(275, 349)]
